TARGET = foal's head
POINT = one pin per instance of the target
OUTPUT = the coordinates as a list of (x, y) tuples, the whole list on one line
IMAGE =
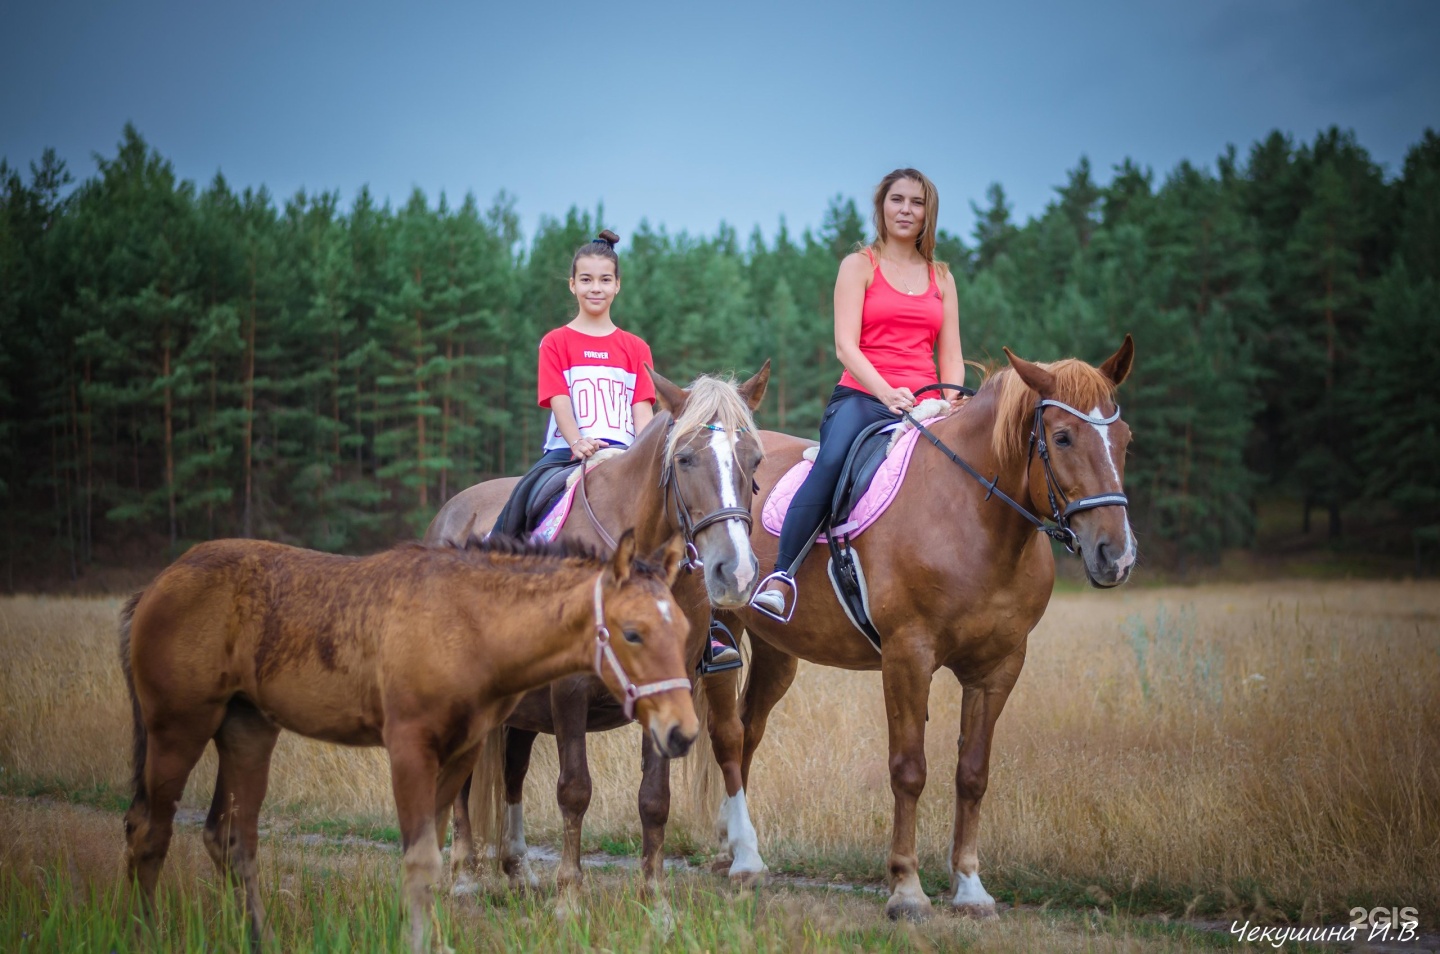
[(1087, 456), (710, 459), (647, 632)]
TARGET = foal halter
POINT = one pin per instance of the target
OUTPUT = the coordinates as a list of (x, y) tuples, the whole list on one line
[(1059, 530), (688, 529), (603, 650)]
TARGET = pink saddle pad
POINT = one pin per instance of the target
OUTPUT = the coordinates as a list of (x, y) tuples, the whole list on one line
[(867, 509), (555, 519)]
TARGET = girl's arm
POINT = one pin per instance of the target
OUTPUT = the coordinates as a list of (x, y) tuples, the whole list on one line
[(948, 353), (643, 412), (849, 302), (564, 412)]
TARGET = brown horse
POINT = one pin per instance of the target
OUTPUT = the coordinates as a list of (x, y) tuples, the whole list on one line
[(700, 451), (955, 580), (421, 650)]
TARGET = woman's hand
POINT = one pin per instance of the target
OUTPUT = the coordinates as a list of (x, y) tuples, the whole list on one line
[(584, 447), (897, 399)]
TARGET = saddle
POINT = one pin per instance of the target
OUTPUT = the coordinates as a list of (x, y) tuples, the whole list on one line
[(533, 497)]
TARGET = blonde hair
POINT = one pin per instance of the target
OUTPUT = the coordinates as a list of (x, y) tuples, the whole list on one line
[(712, 398), (925, 241)]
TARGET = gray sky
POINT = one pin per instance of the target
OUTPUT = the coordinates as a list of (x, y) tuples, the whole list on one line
[(689, 114)]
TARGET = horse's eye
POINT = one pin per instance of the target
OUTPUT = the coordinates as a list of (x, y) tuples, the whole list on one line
[(632, 637), (685, 460), (1062, 439)]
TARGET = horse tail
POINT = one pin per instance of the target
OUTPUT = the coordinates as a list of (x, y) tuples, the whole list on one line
[(487, 793), (137, 755)]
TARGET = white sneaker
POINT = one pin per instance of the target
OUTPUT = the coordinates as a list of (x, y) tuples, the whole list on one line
[(772, 600)]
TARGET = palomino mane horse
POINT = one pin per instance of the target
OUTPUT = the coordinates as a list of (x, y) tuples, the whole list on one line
[(691, 472), (956, 581), (421, 650)]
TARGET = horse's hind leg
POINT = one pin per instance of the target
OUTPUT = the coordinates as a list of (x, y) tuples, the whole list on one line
[(173, 746), (518, 745), (736, 728), (979, 709), (244, 741)]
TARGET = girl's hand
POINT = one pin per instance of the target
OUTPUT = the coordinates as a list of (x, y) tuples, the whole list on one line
[(583, 448), (898, 399), (958, 401)]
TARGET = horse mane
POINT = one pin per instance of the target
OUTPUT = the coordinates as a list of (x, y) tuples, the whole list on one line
[(1077, 384), (534, 553), (711, 397)]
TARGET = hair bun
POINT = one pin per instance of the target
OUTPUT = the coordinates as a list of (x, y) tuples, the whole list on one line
[(608, 237)]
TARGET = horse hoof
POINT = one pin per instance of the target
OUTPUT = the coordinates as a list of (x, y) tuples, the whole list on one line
[(908, 909), (977, 912), (662, 917), (522, 877), (747, 878), (567, 906), (465, 885)]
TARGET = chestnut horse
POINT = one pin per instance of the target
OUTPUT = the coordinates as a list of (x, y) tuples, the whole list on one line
[(421, 650), (691, 472), (955, 580)]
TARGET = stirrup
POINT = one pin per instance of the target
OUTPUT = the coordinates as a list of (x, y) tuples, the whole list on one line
[(784, 579), (719, 631)]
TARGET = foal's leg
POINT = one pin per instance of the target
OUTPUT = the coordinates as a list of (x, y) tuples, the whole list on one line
[(569, 705), (979, 709), (518, 744), (232, 830), (172, 749), (737, 726), (906, 679), (654, 812), (414, 773)]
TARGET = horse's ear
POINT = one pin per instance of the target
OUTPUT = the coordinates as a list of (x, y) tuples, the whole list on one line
[(670, 396), (669, 557), (1042, 382), (622, 562), (753, 390), (1117, 366)]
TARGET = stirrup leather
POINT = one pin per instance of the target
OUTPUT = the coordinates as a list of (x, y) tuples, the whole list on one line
[(786, 580)]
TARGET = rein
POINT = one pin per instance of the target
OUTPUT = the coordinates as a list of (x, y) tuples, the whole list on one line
[(604, 651), (681, 514), (1058, 530)]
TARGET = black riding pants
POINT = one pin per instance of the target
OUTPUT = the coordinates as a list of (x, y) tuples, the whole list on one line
[(848, 413)]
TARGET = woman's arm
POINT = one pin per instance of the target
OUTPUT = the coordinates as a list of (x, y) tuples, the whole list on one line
[(564, 412), (948, 353), (849, 301)]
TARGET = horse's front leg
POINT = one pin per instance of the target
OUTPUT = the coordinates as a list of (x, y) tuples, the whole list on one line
[(414, 771), (907, 693), (569, 707), (654, 812), (979, 709), (513, 849)]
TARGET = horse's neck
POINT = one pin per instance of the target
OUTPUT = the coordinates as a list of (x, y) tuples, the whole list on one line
[(626, 492), (527, 654), (969, 433)]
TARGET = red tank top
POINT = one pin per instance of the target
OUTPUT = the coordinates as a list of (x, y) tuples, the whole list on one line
[(898, 332)]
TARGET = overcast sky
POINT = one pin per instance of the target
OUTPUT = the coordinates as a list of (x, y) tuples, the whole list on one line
[(689, 114)]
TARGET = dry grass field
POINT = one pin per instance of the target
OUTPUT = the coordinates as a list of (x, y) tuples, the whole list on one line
[(1271, 750)]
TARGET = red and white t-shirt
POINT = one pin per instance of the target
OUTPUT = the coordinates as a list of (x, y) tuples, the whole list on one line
[(603, 376)]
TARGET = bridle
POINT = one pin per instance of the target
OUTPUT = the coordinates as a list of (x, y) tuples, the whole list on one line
[(603, 650), (670, 482), (1059, 528)]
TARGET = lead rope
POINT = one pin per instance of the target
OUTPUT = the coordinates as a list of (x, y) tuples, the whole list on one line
[(603, 650)]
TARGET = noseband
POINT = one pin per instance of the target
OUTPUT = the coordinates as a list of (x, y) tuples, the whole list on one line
[(688, 529), (1058, 530), (603, 650)]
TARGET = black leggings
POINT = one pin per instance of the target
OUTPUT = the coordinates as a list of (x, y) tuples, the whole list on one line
[(848, 413)]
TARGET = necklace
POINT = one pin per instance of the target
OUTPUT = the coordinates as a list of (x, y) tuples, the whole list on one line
[(894, 265)]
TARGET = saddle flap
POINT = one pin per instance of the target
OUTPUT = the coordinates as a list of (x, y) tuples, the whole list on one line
[(545, 491), (865, 457)]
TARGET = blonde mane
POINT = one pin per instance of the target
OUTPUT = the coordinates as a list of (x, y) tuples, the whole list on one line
[(712, 398), (1076, 383)]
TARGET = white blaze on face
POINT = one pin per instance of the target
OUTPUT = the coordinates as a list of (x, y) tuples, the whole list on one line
[(722, 445), (1128, 557), (664, 607)]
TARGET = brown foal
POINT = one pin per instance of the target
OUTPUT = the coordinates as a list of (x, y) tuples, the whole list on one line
[(701, 450), (956, 581), (421, 650)]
